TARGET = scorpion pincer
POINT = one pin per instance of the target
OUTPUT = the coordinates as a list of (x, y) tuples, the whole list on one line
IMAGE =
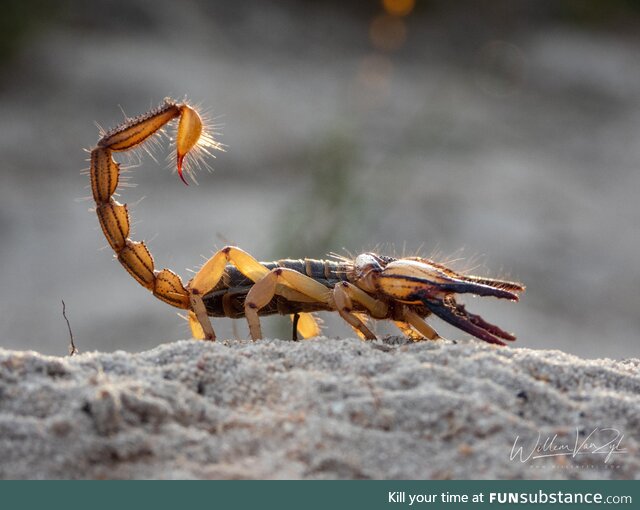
[(234, 284)]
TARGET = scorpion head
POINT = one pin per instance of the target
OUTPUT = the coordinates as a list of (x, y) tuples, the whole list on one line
[(366, 270), (419, 281)]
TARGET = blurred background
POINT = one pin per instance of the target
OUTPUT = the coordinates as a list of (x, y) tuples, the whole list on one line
[(502, 137)]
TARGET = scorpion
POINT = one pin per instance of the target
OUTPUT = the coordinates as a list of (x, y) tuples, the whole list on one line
[(233, 284)]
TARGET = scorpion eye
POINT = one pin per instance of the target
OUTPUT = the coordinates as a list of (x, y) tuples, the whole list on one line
[(368, 262)]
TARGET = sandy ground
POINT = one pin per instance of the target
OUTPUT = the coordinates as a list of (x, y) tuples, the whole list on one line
[(322, 408)]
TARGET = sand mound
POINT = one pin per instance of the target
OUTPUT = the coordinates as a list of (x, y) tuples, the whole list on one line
[(322, 408)]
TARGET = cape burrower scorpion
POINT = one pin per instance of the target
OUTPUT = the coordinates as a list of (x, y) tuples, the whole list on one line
[(233, 284)]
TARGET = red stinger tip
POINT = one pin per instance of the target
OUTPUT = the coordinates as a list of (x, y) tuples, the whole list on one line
[(180, 159)]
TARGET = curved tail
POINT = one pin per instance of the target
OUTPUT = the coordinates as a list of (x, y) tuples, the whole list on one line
[(114, 217)]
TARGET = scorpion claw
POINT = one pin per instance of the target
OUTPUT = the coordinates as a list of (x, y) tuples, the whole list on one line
[(414, 280), (456, 315), (479, 289)]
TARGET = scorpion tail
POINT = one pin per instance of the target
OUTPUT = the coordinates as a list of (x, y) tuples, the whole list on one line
[(114, 217), (189, 131)]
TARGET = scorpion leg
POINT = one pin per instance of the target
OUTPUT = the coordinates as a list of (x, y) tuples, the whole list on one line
[(294, 319), (408, 331), (209, 276), (197, 331), (264, 290), (413, 319), (344, 294), (211, 273), (364, 318)]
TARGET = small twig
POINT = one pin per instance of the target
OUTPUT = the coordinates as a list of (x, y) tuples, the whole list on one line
[(72, 347)]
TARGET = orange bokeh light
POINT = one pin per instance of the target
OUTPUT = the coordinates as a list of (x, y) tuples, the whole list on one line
[(398, 7)]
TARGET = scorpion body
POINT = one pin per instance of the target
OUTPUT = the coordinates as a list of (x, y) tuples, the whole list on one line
[(233, 284), (228, 297)]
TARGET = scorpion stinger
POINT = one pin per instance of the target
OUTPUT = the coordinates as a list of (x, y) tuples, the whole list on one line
[(234, 284)]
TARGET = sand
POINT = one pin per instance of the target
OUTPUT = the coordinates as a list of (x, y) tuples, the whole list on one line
[(322, 408)]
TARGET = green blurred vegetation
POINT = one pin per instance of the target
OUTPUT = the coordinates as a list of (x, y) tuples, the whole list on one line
[(330, 212), (22, 20)]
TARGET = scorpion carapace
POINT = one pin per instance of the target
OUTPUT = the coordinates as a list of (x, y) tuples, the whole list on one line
[(234, 284)]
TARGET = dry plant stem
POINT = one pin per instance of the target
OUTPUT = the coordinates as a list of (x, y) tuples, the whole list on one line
[(72, 346)]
